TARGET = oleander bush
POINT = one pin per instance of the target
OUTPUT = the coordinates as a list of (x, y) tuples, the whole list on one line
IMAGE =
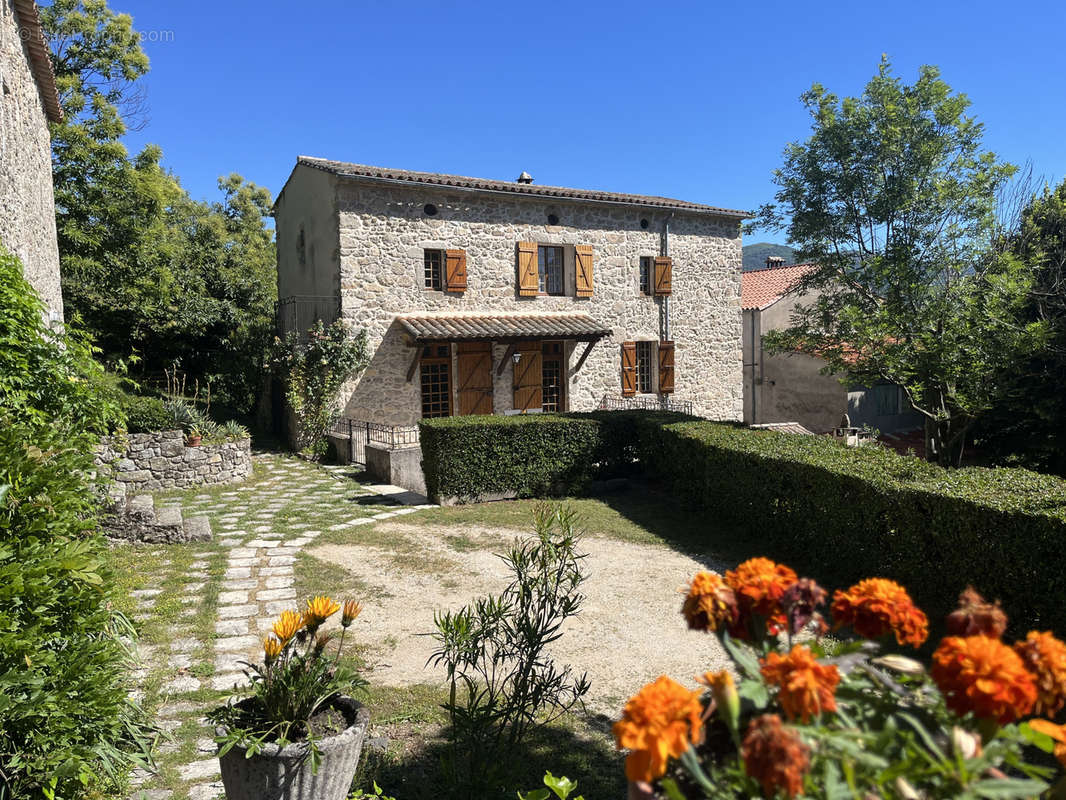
[(67, 726)]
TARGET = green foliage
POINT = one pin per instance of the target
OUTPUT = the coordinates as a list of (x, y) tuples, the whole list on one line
[(147, 268), (895, 201), (147, 414), (377, 794), (849, 513), (314, 371), (502, 680), (562, 787), (534, 455), (755, 255)]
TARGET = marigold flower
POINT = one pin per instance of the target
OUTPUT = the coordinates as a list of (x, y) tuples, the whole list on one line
[(1045, 657), (976, 616), (724, 691), (805, 687), (287, 625), (985, 676), (876, 607), (318, 610), (709, 605), (800, 603), (759, 584), (775, 756), (1056, 732), (352, 609), (658, 723), (272, 648)]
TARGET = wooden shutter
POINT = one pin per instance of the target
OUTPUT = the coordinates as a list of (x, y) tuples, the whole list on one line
[(475, 377), (583, 269), (527, 377), (666, 367), (629, 369), (455, 271), (528, 284), (664, 267)]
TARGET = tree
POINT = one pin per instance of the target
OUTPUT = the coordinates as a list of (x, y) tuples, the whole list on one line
[(895, 201)]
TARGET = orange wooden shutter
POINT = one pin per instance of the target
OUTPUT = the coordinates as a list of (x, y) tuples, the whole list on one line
[(528, 284), (629, 369), (666, 367), (455, 271), (583, 269), (475, 377), (527, 377), (664, 267)]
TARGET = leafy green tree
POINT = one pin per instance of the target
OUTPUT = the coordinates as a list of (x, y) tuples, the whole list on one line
[(895, 200)]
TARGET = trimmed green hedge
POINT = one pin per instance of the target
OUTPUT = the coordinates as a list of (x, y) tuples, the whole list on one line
[(848, 513), (147, 415)]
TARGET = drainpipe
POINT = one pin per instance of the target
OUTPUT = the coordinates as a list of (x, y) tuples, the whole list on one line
[(664, 323)]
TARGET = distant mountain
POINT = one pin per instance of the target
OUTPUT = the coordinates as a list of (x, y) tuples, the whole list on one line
[(755, 254)]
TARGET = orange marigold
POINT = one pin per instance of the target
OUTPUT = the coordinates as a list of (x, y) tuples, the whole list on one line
[(658, 723), (709, 605), (976, 616), (1045, 657), (985, 676), (876, 607), (805, 687), (1056, 732), (759, 584), (775, 756)]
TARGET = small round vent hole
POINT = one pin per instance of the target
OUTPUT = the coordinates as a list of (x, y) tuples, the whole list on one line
[(430, 209)]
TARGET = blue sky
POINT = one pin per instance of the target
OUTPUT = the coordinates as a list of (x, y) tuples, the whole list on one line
[(694, 101)]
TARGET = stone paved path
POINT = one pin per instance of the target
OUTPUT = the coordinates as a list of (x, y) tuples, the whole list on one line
[(225, 595)]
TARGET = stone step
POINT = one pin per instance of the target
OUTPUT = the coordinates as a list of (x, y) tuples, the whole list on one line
[(141, 506), (168, 517), (197, 529)]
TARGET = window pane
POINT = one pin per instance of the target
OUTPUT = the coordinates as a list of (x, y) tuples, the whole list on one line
[(436, 389), (644, 358), (433, 269), (550, 269), (645, 274)]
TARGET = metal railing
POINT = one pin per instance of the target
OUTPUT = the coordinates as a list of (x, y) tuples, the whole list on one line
[(360, 433), (299, 312), (661, 403)]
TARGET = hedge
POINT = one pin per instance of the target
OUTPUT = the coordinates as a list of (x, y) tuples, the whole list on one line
[(843, 514), (147, 415)]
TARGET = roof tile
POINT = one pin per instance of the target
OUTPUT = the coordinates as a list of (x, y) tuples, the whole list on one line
[(502, 327), (761, 287)]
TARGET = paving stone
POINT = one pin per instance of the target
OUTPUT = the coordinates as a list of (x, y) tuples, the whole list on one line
[(299, 542), (384, 515), (246, 583), (276, 594), (263, 528), (265, 624), (275, 607), (274, 571), (198, 770), (231, 627), (243, 562), (267, 543), (226, 682), (144, 594), (235, 644), (231, 542), (169, 725), (237, 612), (151, 794), (176, 709), (277, 582), (206, 745), (179, 661), (233, 597), (241, 552), (280, 561), (284, 551), (198, 565), (186, 683), (184, 645), (238, 572), (193, 587)]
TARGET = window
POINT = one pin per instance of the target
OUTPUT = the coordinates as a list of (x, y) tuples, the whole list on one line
[(434, 269), (552, 383), (888, 399), (436, 368), (645, 358), (550, 269), (647, 268)]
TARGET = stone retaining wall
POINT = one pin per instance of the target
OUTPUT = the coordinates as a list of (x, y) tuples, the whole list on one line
[(149, 461)]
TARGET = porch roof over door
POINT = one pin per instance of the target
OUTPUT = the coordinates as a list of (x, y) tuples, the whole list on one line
[(502, 327)]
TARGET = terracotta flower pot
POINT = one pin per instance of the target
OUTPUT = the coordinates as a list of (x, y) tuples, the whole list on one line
[(193, 441), (284, 773)]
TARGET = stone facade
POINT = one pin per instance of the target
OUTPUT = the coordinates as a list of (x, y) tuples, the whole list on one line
[(364, 242), (27, 206), (150, 461)]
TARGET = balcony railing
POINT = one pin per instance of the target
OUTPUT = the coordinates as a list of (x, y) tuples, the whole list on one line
[(299, 312), (661, 403)]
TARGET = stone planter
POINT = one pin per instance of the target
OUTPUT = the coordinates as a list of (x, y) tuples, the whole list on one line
[(284, 773)]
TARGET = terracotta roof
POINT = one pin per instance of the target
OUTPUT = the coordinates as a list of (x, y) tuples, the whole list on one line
[(761, 287), (502, 327), (362, 171), (40, 61)]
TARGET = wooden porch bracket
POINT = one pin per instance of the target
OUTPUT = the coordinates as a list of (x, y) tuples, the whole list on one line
[(506, 358), (581, 361), (414, 363)]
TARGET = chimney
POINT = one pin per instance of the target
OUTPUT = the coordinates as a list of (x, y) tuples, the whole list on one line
[(774, 261), (525, 177)]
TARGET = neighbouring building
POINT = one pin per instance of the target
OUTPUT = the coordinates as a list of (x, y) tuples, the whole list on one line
[(790, 387), (29, 101), (486, 296)]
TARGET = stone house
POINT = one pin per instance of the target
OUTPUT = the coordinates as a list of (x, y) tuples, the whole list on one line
[(28, 103), (498, 297), (790, 387)]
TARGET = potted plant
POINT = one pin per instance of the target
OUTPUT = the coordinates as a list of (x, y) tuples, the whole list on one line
[(194, 437), (298, 733)]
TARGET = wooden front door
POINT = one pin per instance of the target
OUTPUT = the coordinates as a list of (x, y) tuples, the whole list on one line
[(475, 378)]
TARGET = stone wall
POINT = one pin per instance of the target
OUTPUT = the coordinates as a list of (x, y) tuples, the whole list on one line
[(383, 232), (27, 206), (150, 461)]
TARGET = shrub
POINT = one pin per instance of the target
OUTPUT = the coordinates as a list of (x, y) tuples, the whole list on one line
[(147, 415), (532, 455), (849, 512)]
